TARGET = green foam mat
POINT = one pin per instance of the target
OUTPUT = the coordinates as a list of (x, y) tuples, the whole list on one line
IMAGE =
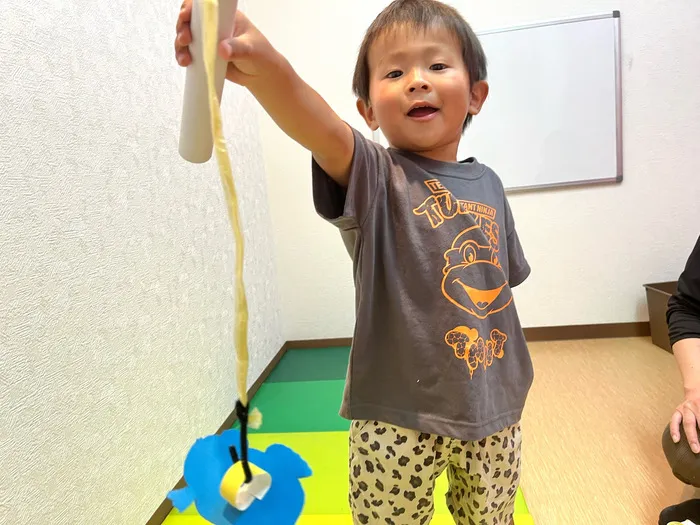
[(300, 406), (327, 455), (311, 365)]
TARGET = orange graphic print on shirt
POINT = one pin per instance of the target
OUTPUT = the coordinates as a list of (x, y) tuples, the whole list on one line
[(473, 278), (468, 345)]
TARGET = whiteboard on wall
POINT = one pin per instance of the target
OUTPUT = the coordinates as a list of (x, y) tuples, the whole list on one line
[(553, 114)]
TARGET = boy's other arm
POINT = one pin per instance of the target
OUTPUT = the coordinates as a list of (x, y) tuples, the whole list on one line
[(294, 106)]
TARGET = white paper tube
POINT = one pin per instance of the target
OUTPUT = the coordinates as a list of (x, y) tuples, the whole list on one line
[(196, 144)]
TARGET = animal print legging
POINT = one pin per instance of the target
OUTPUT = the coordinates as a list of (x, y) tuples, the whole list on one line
[(393, 472)]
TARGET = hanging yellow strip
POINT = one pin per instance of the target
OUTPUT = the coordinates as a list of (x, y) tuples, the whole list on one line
[(210, 24)]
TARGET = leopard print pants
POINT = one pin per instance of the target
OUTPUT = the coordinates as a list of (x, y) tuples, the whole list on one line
[(393, 472)]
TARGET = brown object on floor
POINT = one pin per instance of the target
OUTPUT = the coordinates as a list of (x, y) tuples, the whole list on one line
[(684, 463), (592, 432)]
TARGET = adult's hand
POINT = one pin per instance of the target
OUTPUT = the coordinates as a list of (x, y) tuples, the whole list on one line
[(686, 418)]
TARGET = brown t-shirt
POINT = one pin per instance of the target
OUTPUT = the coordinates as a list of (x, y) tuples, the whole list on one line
[(438, 346)]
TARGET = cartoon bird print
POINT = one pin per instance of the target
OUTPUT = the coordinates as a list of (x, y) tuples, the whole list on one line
[(208, 461), (473, 278)]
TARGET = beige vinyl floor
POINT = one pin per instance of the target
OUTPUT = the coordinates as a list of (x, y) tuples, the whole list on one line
[(592, 432)]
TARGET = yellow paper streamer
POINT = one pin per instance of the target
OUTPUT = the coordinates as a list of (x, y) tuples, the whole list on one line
[(210, 24)]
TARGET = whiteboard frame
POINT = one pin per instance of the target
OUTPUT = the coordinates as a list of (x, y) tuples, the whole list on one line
[(617, 178)]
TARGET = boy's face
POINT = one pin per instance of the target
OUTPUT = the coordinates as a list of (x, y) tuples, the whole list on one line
[(419, 91)]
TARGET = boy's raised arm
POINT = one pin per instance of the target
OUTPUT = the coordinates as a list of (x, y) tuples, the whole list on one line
[(294, 106), (306, 117)]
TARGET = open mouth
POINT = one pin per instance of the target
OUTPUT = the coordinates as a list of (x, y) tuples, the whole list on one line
[(422, 111), (482, 299)]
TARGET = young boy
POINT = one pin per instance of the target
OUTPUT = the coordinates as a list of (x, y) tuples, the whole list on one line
[(439, 369)]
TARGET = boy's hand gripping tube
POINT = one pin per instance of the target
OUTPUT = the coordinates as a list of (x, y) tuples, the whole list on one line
[(196, 143)]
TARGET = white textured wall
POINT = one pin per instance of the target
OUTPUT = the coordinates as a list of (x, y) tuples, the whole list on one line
[(592, 248), (116, 264)]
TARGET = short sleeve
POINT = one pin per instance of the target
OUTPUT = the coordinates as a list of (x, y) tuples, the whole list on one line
[(518, 267), (348, 208)]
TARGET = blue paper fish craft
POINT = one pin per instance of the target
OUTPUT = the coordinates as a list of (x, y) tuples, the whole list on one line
[(208, 461)]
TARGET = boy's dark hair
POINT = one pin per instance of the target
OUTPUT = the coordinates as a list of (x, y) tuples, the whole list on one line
[(420, 15)]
